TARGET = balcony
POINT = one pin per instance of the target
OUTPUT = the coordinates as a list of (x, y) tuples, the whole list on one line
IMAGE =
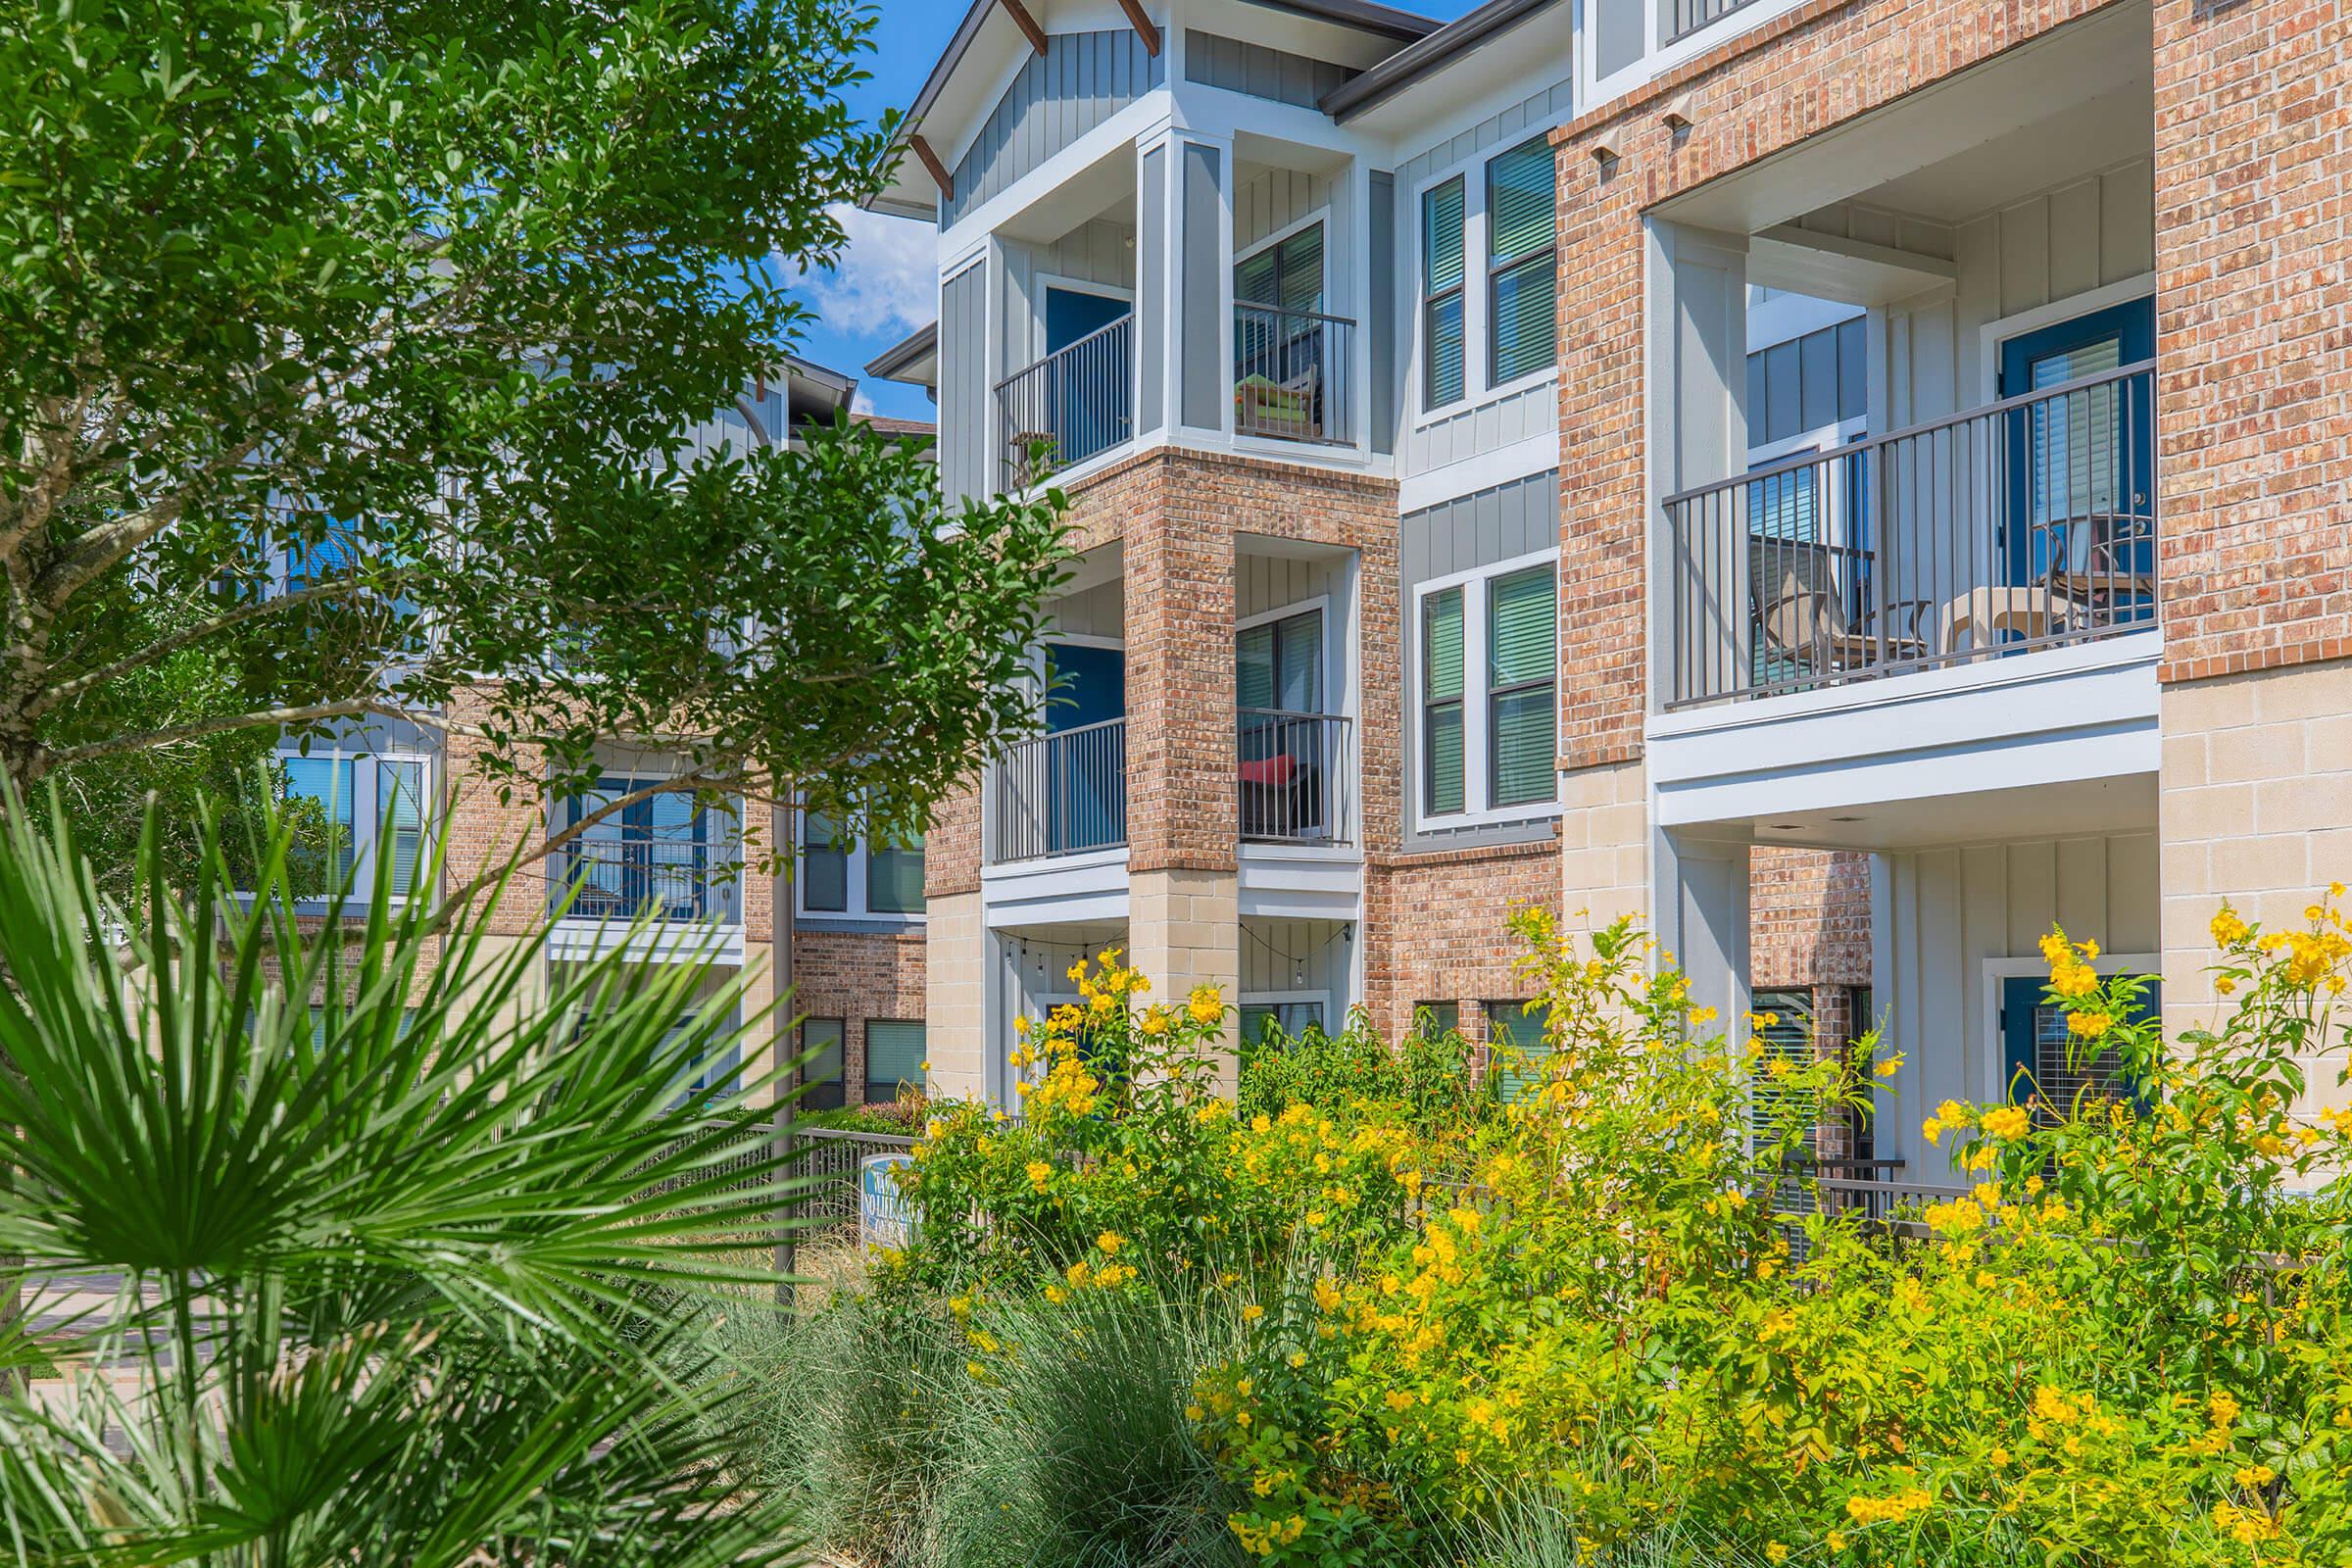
[(2025, 524), (1075, 403), (667, 881), (1291, 376), (1063, 793), (1294, 772)]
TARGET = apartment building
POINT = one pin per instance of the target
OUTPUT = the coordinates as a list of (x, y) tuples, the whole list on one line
[(1853, 482), (2050, 625), (841, 924)]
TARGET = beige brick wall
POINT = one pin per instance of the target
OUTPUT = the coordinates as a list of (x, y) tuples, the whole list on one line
[(954, 994), (1184, 929), (2256, 809), (1604, 844)]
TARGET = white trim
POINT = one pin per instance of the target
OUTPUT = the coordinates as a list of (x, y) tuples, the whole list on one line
[(1424, 414), (1477, 810), (365, 824), (1046, 281), (1820, 440), (1990, 1089), (1481, 470), (1992, 334)]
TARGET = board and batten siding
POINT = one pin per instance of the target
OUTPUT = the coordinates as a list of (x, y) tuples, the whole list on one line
[(2081, 235), (1081, 81), (1484, 421), (1215, 61), (1484, 528), (1097, 611), (1273, 199), (1100, 251), (965, 399), (1941, 914)]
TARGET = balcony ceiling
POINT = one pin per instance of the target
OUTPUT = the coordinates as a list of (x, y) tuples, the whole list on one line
[(2077, 101), (2077, 808)]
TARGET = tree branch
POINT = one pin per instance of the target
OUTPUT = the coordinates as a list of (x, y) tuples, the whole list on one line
[(164, 648), (218, 724)]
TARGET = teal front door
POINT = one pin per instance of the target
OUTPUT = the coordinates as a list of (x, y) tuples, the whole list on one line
[(2082, 464), (1085, 780)]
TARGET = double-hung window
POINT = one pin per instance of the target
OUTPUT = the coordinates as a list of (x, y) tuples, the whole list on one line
[(841, 874), (1442, 276), (1490, 749), (894, 1058), (351, 810), (1522, 284)]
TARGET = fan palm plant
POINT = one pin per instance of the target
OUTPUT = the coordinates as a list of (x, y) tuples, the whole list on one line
[(382, 1255)]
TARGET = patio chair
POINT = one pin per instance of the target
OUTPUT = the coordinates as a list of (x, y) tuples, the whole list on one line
[(1806, 624), (1288, 409)]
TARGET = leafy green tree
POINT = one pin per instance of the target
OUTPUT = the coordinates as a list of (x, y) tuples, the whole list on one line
[(355, 355), (407, 1277)]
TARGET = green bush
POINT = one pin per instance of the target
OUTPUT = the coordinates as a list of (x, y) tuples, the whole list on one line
[(406, 1265), (1428, 1074)]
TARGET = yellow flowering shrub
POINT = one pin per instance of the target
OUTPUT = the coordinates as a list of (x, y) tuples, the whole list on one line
[(1125, 1139), (2123, 1338)]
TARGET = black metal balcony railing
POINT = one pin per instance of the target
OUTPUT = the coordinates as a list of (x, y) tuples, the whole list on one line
[(1060, 794), (2020, 525), (674, 881), (1294, 777), (1075, 401), (1291, 379)]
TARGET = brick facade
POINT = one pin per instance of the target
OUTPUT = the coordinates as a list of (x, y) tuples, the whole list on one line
[(2254, 377), (855, 976), (1437, 929)]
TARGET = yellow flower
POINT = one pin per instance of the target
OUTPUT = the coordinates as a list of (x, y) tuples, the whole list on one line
[(1110, 1242), (1252, 1313), (1039, 1173), (1932, 1130), (1207, 1006), (1156, 1021), (2008, 1123), (1327, 1293), (2089, 1025), (1021, 1026), (1776, 1552), (1836, 1540), (2228, 929), (1888, 1067), (1397, 1400)]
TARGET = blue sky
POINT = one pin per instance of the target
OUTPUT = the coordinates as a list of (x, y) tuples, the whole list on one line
[(883, 289)]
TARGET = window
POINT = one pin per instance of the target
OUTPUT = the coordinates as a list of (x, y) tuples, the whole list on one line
[(351, 807), (894, 1058), (1287, 275), (1787, 1038), (1515, 1034), (653, 852), (1442, 274), (843, 876), (1522, 286), (1520, 676), (820, 1074), (1494, 756), (1293, 1018), (1278, 665), (1441, 703), (1434, 1020)]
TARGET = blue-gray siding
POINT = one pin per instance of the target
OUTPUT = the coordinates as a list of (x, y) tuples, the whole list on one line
[(1384, 317), (1081, 81), (1203, 262), (1217, 61), (965, 403)]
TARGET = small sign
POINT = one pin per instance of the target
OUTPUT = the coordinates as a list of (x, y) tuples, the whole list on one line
[(884, 1216)]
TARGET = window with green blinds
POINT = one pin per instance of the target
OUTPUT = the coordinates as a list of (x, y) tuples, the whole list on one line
[(1522, 633), (1442, 274), (1522, 287), (1287, 274), (1516, 1037), (894, 1057), (1442, 676), (1787, 1038), (1278, 665)]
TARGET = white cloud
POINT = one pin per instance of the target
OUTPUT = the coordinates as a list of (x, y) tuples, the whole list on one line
[(859, 403), (888, 280)]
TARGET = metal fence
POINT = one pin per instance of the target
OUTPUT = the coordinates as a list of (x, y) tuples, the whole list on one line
[(1293, 776), (827, 1163), (1292, 375), (1075, 401), (1060, 794), (2020, 525), (673, 880)]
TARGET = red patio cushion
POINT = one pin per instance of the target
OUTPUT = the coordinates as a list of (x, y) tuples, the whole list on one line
[(1271, 771)]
